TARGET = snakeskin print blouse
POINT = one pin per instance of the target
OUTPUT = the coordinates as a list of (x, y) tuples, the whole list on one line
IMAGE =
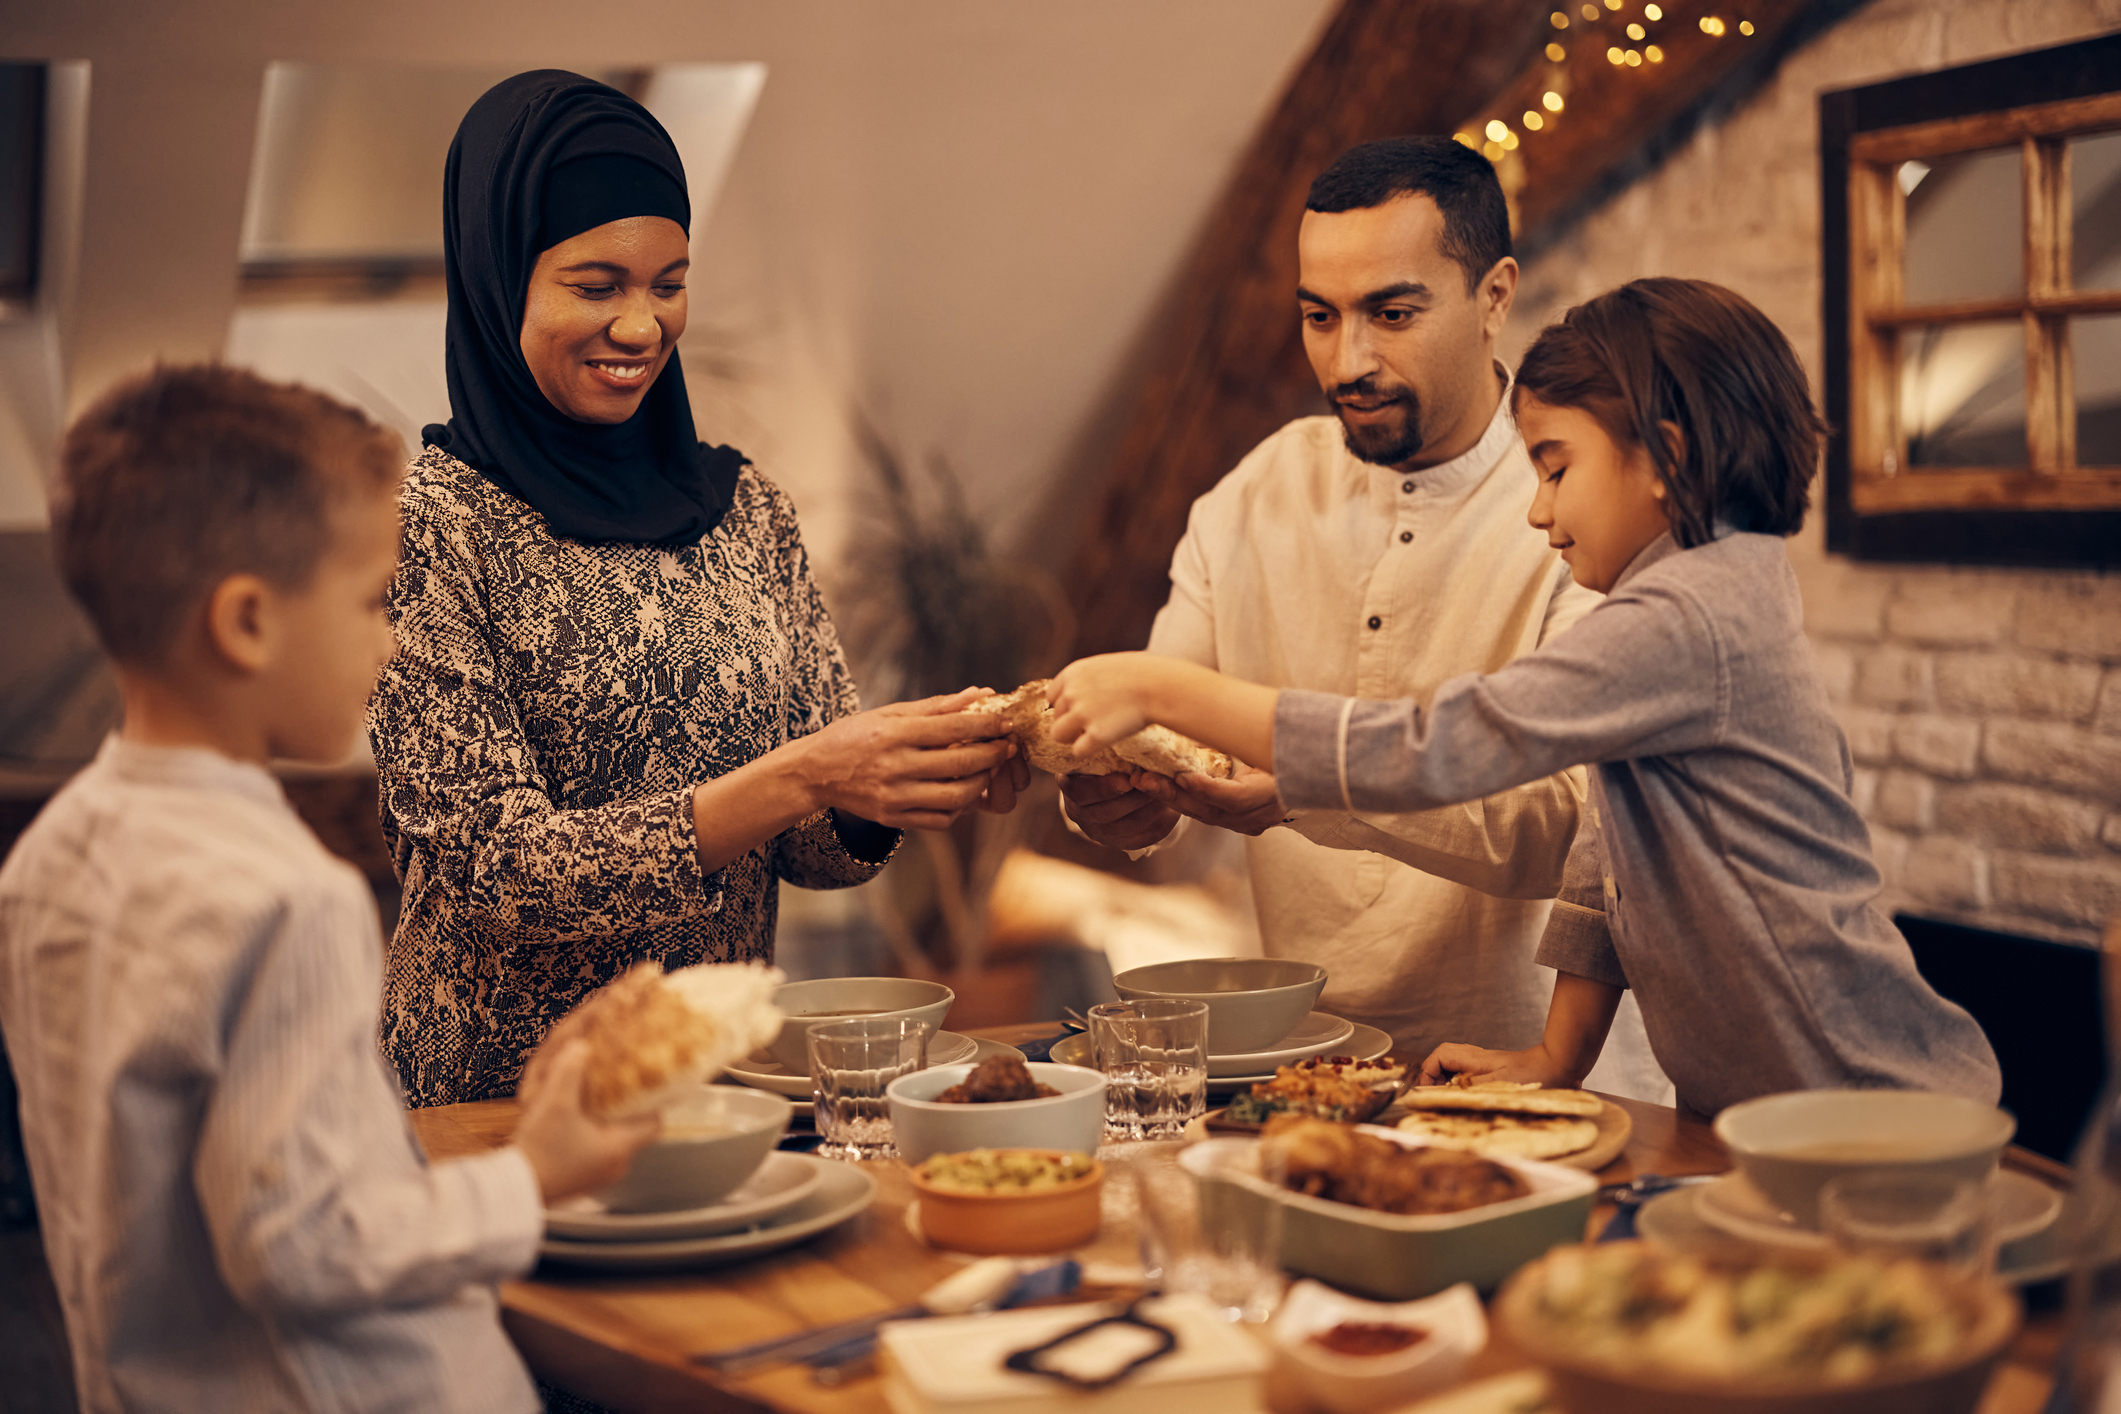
[(550, 707)]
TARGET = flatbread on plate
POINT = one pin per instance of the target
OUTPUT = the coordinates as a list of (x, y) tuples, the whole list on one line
[(1504, 1097), (1503, 1136)]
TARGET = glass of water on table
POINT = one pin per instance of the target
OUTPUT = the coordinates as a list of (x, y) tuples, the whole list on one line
[(1154, 1055), (850, 1064)]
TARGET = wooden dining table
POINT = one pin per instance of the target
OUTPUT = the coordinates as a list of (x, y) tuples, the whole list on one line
[(628, 1341)]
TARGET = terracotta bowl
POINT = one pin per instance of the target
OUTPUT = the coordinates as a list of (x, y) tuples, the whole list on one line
[(1014, 1224), (1584, 1385)]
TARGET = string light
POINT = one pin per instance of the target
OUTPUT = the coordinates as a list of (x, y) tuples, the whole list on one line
[(1557, 53), (1711, 25), (1745, 26), (1590, 12), (1497, 130), (1559, 19), (1634, 60), (1654, 12), (1492, 151), (1637, 32), (1550, 101), (1468, 139), (1654, 54), (1509, 142), (1532, 121), (1615, 56), (1614, 4)]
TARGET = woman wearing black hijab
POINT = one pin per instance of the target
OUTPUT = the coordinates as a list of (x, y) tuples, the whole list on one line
[(618, 711)]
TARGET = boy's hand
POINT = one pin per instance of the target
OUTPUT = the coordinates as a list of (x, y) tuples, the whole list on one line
[(568, 1150), (1097, 701), (1247, 803), (1453, 1058)]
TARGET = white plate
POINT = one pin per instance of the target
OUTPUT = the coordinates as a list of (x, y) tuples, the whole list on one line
[(782, 1181), (761, 1071), (843, 1192), (1363, 1043), (2023, 1207), (1318, 1033)]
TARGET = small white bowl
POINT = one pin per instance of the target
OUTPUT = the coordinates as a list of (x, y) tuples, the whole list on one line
[(922, 1125), (1357, 1384), (844, 998), (712, 1141), (1790, 1145)]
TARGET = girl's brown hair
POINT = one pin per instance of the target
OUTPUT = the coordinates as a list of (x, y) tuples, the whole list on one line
[(1703, 359)]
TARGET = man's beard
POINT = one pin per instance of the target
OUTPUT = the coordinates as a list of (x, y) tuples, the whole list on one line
[(1380, 443)]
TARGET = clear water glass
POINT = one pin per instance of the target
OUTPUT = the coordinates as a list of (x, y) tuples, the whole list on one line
[(1154, 1055), (1893, 1213), (1212, 1231), (850, 1064)]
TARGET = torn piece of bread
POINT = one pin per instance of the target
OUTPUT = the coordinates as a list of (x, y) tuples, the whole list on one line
[(655, 1036), (1503, 1097), (1153, 748)]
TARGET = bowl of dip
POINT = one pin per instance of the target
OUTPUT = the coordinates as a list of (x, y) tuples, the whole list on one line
[(1789, 1145), (1009, 1201)]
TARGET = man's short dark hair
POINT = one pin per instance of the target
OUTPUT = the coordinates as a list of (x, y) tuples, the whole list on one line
[(1476, 219), (183, 476)]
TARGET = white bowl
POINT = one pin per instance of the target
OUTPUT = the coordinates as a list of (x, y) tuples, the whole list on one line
[(1789, 1145), (921, 1125), (843, 998), (1357, 1384), (1252, 1001), (712, 1141)]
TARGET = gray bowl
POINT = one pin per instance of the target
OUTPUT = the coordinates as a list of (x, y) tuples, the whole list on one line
[(839, 998), (1252, 1001), (712, 1141), (921, 1125)]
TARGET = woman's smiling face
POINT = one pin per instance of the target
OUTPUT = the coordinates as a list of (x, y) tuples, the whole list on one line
[(603, 313), (1599, 502)]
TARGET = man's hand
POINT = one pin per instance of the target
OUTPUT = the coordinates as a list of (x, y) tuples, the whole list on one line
[(912, 765), (1248, 804), (1534, 1065), (570, 1151), (1004, 783), (1112, 812)]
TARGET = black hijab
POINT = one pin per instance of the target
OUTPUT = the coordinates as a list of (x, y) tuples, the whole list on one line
[(537, 154)]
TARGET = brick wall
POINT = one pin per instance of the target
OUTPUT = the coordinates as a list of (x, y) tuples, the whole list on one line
[(1983, 707)]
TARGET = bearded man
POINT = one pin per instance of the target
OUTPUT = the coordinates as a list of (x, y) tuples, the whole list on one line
[(1381, 552)]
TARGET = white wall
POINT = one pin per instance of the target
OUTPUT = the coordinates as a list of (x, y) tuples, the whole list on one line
[(1983, 706), (957, 212)]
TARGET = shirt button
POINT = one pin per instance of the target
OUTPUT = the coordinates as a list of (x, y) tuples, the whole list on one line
[(1376, 622), (1407, 486), (1406, 537)]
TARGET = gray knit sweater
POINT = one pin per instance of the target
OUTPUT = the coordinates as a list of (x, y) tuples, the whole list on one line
[(550, 707)]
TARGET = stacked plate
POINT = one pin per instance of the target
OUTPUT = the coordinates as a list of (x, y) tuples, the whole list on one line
[(1318, 1034), (790, 1198), (762, 1072)]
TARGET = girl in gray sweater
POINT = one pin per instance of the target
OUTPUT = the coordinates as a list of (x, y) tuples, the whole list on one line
[(1674, 440)]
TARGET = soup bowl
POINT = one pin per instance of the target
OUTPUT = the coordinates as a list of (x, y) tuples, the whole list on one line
[(711, 1142), (1252, 1001), (837, 998)]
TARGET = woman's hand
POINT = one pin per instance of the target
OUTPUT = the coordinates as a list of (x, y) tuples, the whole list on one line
[(912, 765)]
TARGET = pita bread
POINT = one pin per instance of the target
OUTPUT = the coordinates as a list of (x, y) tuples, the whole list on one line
[(1503, 1136), (1153, 748), (1504, 1097), (653, 1037)]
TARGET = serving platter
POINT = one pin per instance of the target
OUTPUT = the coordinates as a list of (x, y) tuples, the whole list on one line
[(1316, 1034), (781, 1182), (762, 1072), (843, 1191)]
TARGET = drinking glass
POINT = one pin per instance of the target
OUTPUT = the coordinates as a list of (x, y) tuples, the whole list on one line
[(1209, 1231), (1896, 1213), (850, 1064), (1155, 1058)]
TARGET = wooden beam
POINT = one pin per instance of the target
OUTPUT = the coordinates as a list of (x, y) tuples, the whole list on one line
[(1230, 367)]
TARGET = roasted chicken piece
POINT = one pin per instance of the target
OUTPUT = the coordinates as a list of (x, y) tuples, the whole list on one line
[(996, 1078), (1342, 1164)]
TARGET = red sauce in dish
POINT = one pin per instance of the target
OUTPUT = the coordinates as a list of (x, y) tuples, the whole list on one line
[(1360, 1338)]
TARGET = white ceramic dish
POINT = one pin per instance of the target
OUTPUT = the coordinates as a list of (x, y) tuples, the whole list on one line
[(843, 1192), (1316, 1034), (821, 999), (1791, 1144), (1456, 1329), (761, 1071), (781, 1182), (1252, 1001), (921, 1125), (713, 1140), (1363, 1043), (2021, 1205)]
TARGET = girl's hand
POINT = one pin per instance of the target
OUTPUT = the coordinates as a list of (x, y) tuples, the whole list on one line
[(1453, 1058), (1097, 701)]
